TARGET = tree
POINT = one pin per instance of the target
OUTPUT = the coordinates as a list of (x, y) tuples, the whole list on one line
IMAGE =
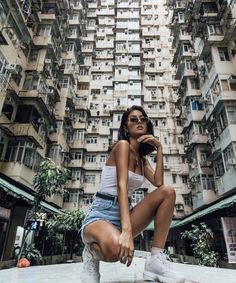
[(48, 181), (202, 242), (67, 222)]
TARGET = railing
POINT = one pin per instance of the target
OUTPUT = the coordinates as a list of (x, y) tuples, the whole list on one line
[(3, 81)]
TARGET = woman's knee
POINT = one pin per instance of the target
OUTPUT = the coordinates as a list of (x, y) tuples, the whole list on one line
[(168, 192), (111, 250)]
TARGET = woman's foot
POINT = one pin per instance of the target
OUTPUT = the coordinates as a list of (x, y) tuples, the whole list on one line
[(157, 268), (90, 272)]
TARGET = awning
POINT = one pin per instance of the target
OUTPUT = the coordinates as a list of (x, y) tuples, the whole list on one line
[(21, 194), (150, 227), (214, 155), (228, 202)]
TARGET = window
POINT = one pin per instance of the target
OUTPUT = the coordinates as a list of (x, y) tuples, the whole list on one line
[(65, 82), (223, 53), (89, 178), (67, 63), (232, 114), (174, 176), (72, 197), (84, 72), (151, 77), (69, 47), (78, 135), (137, 196), (33, 55), (54, 152), (77, 155), (196, 105), (91, 140), (87, 198), (180, 140), (103, 158), (83, 86), (45, 30), (184, 179), (194, 83), (187, 200), (90, 158)]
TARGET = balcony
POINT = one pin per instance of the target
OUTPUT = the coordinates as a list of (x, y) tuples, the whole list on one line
[(75, 163), (71, 206), (25, 130), (3, 81), (46, 17), (73, 184), (18, 172), (76, 144)]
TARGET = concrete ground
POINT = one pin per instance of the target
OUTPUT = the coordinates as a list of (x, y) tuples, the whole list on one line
[(112, 272)]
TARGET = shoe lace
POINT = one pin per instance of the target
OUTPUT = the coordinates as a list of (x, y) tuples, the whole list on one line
[(165, 259), (91, 265)]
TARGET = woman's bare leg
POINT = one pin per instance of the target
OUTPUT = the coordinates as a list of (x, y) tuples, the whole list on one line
[(103, 238), (159, 205)]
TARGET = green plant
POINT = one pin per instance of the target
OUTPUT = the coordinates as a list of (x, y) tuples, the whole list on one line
[(66, 222), (202, 242), (48, 181), (32, 254)]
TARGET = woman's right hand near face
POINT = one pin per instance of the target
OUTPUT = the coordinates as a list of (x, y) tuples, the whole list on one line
[(126, 248)]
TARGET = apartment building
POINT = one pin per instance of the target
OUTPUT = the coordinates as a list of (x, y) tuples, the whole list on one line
[(68, 71), (126, 61), (204, 43), (39, 62)]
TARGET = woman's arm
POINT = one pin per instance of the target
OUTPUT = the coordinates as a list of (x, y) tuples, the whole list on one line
[(121, 153), (155, 177)]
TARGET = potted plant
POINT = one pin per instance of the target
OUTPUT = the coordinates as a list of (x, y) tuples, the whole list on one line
[(202, 243)]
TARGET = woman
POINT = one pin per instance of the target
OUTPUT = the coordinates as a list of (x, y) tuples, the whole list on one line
[(111, 224)]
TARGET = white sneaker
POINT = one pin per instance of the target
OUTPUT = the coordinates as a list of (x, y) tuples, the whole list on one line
[(90, 272), (157, 268)]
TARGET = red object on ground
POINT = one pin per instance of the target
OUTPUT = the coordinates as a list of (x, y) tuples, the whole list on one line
[(23, 262)]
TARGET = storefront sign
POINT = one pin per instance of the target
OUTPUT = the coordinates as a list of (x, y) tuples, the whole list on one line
[(229, 229), (5, 212)]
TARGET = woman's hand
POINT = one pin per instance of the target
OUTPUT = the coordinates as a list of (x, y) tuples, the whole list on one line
[(126, 248), (151, 140)]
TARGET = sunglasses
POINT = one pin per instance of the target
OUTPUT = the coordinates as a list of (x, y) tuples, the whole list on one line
[(137, 119)]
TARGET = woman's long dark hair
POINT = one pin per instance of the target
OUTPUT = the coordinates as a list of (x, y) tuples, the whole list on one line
[(145, 148)]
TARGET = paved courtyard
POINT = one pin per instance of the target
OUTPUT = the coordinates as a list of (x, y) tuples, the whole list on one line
[(111, 272)]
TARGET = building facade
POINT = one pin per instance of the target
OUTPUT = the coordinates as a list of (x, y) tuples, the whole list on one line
[(40, 53), (204, 42), (127, 59), (68, 70)]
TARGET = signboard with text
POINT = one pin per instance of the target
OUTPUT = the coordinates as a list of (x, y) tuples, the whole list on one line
[(229, 230)]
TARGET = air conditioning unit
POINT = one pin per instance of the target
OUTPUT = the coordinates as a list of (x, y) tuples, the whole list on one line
[(166, 166), (193, 166), (12, 68), (232, 79), (41, 120), (9, 100), (231, 161), (202, 99), (47, 61)]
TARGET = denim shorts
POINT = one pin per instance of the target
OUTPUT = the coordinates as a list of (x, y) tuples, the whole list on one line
[(102, 209)]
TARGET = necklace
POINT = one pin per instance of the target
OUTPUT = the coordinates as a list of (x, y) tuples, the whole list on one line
[(136, 155)]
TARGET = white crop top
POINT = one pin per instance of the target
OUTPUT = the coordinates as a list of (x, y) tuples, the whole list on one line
[(109, 181)]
